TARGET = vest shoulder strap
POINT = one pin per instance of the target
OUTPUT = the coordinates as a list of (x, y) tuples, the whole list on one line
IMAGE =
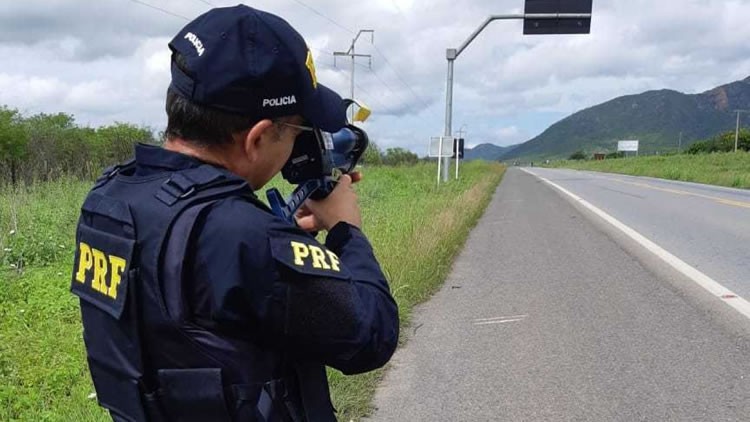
[(112, 171)]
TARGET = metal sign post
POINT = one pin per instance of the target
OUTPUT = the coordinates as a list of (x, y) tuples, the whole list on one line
[(440, 158), (439, 148), (540, 17)]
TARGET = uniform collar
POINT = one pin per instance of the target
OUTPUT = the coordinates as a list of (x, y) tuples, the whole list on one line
[(157, 157)]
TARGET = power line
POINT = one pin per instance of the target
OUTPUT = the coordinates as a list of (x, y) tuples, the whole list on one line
[(310, 8), (371, 97), (388, 87), (417, 97), (399, 77), (160, 9)]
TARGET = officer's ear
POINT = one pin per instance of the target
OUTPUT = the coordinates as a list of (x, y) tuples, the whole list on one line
[(252, 140)]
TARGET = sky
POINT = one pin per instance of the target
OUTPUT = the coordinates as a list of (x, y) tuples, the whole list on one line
[(107, 61)]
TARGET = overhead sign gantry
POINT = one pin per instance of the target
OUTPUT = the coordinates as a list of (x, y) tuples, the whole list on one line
[(541, 17)]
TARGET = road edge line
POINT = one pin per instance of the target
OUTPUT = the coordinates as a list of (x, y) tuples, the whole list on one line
[(712, 286)]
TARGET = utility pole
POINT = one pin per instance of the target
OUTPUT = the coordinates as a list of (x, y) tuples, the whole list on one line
[(737, 129), (679, 143), (350, 53), (461, 131)]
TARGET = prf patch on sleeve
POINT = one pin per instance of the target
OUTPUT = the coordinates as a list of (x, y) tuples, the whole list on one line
[(305, 255), (101, 271)]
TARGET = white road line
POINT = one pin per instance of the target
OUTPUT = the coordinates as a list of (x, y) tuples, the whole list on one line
[(498, 322), (712, 286), (498, 318)]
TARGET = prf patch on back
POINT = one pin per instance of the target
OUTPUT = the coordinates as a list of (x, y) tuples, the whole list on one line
[(306, 256), (101, 271)]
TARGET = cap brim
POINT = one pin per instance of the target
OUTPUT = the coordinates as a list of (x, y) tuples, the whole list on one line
[(326, 110)]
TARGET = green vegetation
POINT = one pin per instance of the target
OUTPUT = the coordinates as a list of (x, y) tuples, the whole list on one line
[(415, 227), (391, 157), (723, 169), (578, 155), (47, 146), (723, 142)]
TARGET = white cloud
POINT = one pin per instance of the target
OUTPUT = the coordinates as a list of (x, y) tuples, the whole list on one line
[(108, 60)]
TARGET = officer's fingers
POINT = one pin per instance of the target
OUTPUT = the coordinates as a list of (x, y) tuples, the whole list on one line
[(345, 180), (356, 176), (303, 211), (308, 223)]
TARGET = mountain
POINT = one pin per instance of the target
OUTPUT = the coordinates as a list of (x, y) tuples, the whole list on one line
[(489, 152), (656, 118)]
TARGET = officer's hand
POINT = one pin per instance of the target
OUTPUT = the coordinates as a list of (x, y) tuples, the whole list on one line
[(307, 221), (340, 205)]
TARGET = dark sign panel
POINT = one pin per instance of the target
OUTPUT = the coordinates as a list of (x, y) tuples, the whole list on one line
[(460, 143), (536, 26)]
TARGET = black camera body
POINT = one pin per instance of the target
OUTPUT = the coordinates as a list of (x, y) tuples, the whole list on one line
[(317, 162)]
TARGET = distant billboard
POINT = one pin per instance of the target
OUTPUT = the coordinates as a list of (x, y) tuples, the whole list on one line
[(627, 146)]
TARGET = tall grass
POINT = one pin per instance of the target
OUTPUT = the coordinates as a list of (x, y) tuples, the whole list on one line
[(415, 228), (722, 169)]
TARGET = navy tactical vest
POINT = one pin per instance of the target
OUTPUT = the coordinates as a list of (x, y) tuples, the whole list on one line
[(147, 360)]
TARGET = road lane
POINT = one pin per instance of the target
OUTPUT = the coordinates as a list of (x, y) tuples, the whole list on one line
[(706, 226), (545, 318)]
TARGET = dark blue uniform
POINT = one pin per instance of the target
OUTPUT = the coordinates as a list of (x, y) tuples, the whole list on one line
[(199, 304)]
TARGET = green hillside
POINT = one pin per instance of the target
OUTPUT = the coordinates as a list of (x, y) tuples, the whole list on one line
[(656, 118), (488, 152)]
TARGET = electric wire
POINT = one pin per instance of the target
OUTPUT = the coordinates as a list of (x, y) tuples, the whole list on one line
[(370, 98), (393, 69), (382, 82), (400, 77), (160, 9), (310, 8), (207, 2), (388, 87)]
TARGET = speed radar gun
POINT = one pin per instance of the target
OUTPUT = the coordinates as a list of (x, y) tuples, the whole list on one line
[(317, 162)]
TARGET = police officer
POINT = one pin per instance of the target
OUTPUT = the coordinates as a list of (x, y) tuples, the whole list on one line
[(198, 304)]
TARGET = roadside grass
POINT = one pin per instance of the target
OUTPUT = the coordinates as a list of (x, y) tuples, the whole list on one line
[(416, 230), (723, 169)]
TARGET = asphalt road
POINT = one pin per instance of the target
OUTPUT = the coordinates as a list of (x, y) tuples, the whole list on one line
[(549, 314), (705, 226)]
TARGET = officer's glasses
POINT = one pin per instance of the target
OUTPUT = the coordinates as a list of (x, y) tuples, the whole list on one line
[(308, 134), (300, 127)]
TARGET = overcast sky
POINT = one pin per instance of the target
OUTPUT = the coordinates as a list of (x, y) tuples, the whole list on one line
[(107, 60)]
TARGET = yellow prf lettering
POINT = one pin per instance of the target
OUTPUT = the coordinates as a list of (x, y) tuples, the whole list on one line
[(85, 261), (100, 271), (319, 258), (117, 264), (301, 251), (334, 261)]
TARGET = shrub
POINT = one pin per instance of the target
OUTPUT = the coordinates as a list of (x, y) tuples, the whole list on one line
[(723, 142), (578, 155), (46, 146), (399, 156)]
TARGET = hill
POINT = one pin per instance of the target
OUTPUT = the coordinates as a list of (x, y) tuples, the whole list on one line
[(488, 152), (656, 118)]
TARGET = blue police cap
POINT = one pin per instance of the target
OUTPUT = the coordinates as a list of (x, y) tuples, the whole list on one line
[(246, 61)]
